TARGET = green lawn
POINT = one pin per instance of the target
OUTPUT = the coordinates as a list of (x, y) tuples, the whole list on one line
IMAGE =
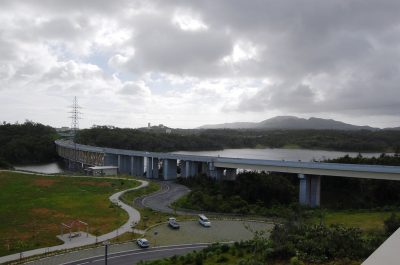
[(33, 207), (366, 220)]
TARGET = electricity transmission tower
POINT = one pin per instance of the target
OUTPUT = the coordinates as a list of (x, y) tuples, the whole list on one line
[(75, 117)]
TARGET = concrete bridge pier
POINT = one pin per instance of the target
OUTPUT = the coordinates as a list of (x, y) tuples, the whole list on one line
[(155, 168), (219, 173), (110, 160), (194, 168), (230, 174), (152, 167), (169, 169), (149, 167), (124, 164), (75, 165), (216, 172), (137, 166), (204, 168), (310, 190), (189, 168), (182, 165)]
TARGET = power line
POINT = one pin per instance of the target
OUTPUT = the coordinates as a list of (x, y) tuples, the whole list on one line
[(75, 117)]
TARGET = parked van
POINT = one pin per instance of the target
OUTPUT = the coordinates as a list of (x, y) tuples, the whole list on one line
[(203, 220)]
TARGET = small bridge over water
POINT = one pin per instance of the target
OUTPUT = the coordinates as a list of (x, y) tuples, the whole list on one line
[(139, 163)]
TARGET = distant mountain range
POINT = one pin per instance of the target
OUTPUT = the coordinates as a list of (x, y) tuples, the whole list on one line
[(292, 123)]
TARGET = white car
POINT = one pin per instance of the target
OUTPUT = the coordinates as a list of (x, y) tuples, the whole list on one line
[(173, 223), (143, 243), (203, 220)]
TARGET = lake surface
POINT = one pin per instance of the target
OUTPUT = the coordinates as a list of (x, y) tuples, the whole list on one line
[(278, 154), (51, 168)]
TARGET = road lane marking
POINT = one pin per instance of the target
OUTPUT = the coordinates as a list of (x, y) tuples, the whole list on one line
[(139, 253)]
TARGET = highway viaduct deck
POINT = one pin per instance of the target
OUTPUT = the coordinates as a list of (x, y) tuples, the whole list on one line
[(140, 163)]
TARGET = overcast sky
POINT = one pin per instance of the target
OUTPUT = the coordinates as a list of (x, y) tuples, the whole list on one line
[(189, 63)]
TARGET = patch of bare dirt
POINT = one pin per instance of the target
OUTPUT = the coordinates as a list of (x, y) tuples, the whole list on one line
[(44, 182)]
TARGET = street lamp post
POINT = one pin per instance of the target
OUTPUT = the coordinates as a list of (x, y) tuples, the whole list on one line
[(155, 237), (105, 243)]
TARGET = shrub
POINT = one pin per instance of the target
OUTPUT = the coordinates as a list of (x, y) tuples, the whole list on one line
[(392, 224), (296, 261), (224, 248), (222, 259)]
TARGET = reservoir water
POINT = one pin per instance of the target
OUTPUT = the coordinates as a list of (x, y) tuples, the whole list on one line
[(50, 168), (304, 155)]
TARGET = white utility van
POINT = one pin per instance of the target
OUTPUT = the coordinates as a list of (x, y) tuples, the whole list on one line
[(203, 220)]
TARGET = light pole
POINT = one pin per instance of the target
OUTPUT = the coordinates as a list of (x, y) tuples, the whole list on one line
[(155, 237), (105, 243)]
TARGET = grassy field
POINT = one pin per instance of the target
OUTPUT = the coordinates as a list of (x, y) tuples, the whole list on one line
[(33, 207), (366, 220)]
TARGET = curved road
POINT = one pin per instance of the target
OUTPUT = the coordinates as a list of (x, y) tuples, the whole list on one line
[(161, 200), (131, 257)]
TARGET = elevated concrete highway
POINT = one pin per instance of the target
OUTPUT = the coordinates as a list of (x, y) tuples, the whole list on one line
[(165, 166)]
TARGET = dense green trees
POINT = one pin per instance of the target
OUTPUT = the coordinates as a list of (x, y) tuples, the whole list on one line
[(320, 243), (383, 159), (271, 193), (158, 140), (250, 193), (291, 242), (337, 192), (26, 143), (144, 140)]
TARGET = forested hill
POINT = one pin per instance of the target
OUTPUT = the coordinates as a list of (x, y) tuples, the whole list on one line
[(156, 141), (26, 143), (150, 140)]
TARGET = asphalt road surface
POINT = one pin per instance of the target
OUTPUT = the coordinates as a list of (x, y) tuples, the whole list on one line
[(134, 256), (161, 200)]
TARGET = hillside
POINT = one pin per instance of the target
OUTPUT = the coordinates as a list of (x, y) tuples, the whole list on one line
[(290, 123)]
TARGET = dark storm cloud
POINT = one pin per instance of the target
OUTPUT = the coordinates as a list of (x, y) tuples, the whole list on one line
[(306, 56), (161, 46), (358, 40)]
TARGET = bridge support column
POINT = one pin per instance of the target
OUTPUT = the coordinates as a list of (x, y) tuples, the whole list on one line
[(310, 190), (137, 166), (155, 168), (149, 167), (217, 173), (110, 160), (182, 165), (230, 174), (169, 169), (189, 168), (194, 168), (204, 168), (188, 164), (124, 164)]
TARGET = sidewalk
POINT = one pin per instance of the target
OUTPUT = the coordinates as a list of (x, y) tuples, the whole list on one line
[(134, 217)]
